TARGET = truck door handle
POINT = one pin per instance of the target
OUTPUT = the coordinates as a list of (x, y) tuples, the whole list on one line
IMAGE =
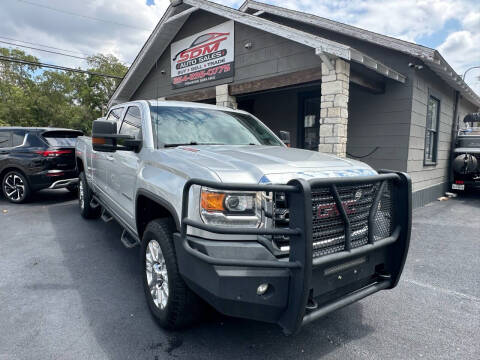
[(110, 158)]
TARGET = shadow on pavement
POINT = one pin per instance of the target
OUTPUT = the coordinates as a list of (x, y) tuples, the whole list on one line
[(107, 278), (42, 198)]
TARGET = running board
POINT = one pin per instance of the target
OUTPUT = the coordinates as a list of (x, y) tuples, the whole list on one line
[(127, 240), (94, 203), (106, 217)]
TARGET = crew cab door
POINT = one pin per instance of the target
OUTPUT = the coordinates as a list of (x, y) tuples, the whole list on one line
[(125, 167), (101, 161)]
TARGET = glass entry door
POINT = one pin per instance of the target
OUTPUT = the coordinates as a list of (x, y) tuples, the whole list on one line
[(309, 120)]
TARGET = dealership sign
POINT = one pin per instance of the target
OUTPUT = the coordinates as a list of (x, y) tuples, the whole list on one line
[(205, 56)]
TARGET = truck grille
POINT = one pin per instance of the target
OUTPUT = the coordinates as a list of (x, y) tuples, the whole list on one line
[(328, 228)]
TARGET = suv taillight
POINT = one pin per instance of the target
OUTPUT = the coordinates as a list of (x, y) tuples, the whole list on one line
[(53, 153)]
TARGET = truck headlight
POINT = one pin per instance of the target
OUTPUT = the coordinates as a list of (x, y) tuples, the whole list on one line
[(230, 208)]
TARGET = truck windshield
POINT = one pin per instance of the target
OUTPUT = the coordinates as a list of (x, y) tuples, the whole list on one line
[(174, 125)]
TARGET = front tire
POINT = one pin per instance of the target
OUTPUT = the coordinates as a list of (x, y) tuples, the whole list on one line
[(171, 302), (15, 187), (85, 197)]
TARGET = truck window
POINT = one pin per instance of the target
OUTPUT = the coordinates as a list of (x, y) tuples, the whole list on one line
[(132, 123), (184, 125), (115, 114)]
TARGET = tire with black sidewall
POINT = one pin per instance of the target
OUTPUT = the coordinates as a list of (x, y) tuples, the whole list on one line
[(20, 183), (85, 197), (73, 189), (183, 307)]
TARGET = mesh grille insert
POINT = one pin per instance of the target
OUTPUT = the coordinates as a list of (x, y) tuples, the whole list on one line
[(328, 228)]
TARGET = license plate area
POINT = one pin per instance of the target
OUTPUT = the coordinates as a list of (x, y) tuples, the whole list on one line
[(458, 186), (338, 275)]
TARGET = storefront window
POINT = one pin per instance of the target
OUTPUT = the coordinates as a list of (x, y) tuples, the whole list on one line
[(431, 131)]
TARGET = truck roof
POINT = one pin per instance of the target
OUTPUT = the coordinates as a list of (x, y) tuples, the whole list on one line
[(197, 105)]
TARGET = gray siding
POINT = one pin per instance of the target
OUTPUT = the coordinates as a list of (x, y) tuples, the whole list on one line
[(270, 55), (393, 121), (424, 84), (380, 120)]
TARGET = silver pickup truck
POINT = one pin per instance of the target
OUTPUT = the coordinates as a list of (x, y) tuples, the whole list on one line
[(226, 214)]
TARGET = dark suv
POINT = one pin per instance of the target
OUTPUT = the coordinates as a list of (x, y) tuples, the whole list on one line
[(32, 159)]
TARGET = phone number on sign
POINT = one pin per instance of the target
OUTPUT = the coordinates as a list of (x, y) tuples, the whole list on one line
[(202, 74)]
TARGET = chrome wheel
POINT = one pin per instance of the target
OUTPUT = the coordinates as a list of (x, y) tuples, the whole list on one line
[(81, 195), (157, 275), (14, 187)]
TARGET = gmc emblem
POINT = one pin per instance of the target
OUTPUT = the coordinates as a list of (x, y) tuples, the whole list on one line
[(330, 210)]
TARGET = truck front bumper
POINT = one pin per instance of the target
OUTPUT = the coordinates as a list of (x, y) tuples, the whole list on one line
[(301, 288)]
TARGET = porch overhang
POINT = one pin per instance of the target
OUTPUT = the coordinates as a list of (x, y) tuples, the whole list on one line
[(430, 57), (179, 11)]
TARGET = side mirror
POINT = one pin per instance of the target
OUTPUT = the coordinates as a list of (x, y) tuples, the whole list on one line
[(285, 137), (106, 139)]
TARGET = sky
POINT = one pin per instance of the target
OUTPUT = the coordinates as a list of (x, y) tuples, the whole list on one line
[(121, 27)]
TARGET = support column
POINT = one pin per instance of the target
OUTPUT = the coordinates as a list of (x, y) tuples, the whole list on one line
[(224, 98), (334, 108)]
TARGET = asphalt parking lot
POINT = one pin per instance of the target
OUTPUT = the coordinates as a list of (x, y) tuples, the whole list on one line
[(70, 290)]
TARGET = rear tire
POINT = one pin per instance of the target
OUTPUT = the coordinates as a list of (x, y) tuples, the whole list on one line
[(15, 187), (73, 189), (171, 302), (85, 197)]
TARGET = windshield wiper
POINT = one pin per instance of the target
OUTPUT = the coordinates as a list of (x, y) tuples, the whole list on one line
[(190, 143)]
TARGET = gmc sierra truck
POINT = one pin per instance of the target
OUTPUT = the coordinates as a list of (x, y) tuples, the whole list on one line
[(226, 214)]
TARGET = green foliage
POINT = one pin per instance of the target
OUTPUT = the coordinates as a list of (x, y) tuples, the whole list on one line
[(31, 97)]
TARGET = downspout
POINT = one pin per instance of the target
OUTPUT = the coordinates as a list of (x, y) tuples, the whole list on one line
[(454, 137)]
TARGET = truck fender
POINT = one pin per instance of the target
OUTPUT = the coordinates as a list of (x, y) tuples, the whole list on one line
[(163, 209)]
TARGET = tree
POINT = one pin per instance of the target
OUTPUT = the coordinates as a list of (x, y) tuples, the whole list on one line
[(16, 87), (33, 97)]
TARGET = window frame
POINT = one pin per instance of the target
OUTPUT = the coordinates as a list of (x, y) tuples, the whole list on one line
[(139, 135), (434, 134), (118, 120), (10, 141)]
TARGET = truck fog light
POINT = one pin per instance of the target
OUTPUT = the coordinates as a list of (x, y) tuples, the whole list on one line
[(262, 289)]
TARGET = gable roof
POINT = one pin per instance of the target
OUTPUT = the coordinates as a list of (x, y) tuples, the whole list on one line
[(430, 57), (179, 11)]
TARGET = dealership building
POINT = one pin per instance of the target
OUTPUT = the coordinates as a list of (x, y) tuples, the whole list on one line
[(338, 89)]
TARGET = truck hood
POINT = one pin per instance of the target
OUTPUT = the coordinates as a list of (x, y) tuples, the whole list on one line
[(275, 164)]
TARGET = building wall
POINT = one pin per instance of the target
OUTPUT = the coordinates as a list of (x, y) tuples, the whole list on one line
[(393, 121), (431, 181), (270, 55), (396, 120), (383, 121)]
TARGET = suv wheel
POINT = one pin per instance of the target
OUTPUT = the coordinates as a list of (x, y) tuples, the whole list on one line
[(171, 302), (73, 189), (15, 187), (84, 199)]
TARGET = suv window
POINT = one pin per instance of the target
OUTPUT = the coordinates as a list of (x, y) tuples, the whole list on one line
[(61, 138), (132, 123), (115, 114), (17, 138), (5, 139)]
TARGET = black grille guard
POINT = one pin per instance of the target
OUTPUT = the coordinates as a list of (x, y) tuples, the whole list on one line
[(300, 261)]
